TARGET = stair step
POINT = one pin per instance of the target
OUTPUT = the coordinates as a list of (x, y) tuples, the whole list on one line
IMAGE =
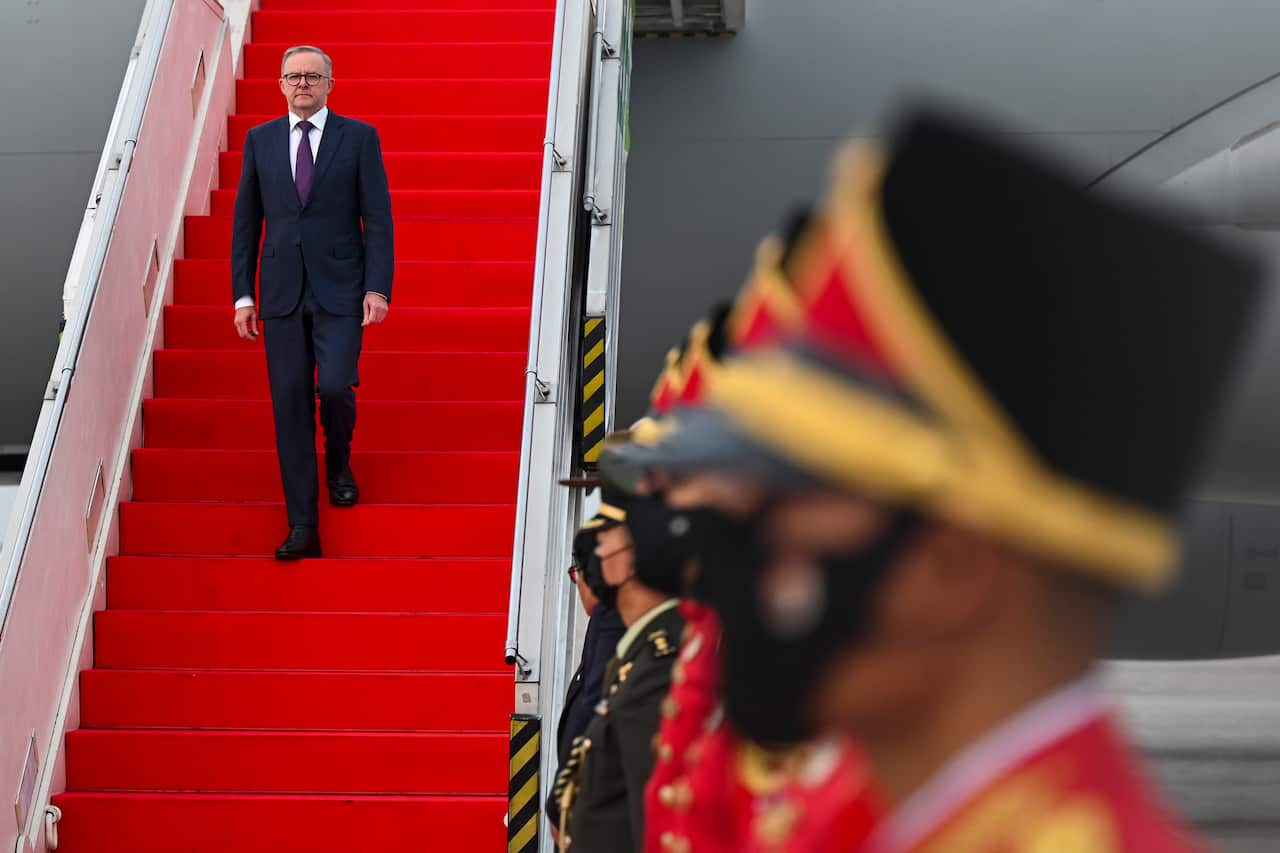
[(387, 426), (384, 477), (422, 239), (411, 59), (488, 170), (437, 203), (407, 133), (406, 329), (249, 823), (295, 701), (367, 530), (388, 27), (409, 4), (413, 642), (242, 375), (326, 585), (395, 96), (286, 762), (418, 284)]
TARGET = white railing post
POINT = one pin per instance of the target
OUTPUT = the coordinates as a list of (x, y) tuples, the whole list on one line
[(543, 614), (539, 597)]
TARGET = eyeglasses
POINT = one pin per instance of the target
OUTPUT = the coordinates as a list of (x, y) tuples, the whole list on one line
[(295, 79)]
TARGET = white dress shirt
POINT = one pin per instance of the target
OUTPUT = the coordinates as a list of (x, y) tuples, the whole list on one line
[(295, 138)]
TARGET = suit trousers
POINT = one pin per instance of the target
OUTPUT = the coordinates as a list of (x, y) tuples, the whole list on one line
[(311, 353)]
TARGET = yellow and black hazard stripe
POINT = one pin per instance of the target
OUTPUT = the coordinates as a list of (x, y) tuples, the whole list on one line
[(593, 362), (523, 803)]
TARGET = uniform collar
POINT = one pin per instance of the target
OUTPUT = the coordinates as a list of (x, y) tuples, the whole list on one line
[(317, 120), (624, 645), (1030, 731)]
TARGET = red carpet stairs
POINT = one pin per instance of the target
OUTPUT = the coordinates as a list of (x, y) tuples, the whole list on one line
[(359, 702)]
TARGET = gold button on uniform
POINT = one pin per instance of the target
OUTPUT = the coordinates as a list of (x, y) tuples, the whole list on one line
[(670, 708), (677, 795), (675, 843)]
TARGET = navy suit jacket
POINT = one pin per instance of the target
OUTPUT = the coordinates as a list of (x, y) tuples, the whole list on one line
[(604, 629), (342, 237)]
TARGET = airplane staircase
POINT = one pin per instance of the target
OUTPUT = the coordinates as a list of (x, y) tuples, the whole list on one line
[(356, 702)]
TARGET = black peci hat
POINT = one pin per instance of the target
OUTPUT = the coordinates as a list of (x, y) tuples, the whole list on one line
[(986, 342)]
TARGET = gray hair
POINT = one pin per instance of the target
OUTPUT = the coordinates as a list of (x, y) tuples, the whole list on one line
[(306, 48)]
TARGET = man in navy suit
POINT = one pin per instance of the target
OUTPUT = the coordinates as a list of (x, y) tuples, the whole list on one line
[(324, 272)]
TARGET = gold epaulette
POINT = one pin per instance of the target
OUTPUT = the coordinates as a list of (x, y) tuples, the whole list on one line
[(661, 643)]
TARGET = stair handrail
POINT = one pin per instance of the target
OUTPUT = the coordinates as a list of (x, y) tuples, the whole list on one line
[(83, 276), (600, 47), (535, 387)]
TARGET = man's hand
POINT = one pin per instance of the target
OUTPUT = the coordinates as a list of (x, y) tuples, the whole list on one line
[(375, 308), (247, 322)]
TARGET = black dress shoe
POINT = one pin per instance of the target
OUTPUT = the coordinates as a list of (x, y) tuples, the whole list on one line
[(302, 542), (343, 490)]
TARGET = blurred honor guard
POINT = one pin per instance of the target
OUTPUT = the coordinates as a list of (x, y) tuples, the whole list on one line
[(602, 789), (713, 790), (604, 629), (975, 447)]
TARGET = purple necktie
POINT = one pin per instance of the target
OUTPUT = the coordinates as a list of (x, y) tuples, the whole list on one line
[(305, 166)]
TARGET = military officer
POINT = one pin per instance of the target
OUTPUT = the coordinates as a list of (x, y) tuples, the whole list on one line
[(604, 629), (974, 448), (602, 788)]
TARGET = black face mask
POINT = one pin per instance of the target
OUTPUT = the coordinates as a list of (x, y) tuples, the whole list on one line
[(712, 532), (777, 642), (664, 543), (593, 574), (584, 556)]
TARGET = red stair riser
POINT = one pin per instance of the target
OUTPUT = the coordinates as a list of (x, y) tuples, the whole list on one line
[(284, 5), (242, 375), (414, 60), (383, 426), (327, 585), (249, 823), (204, 475), (294, 701), (433, 203), (418, 284), (365, 642), (424, 239), (407, 330), (301, 762), (499, 170), (366, 530), (355, 98), (372, 26), (409, 133)]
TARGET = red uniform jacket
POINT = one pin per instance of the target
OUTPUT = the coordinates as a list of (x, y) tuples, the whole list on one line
[(1060, 777), (712, 791)]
